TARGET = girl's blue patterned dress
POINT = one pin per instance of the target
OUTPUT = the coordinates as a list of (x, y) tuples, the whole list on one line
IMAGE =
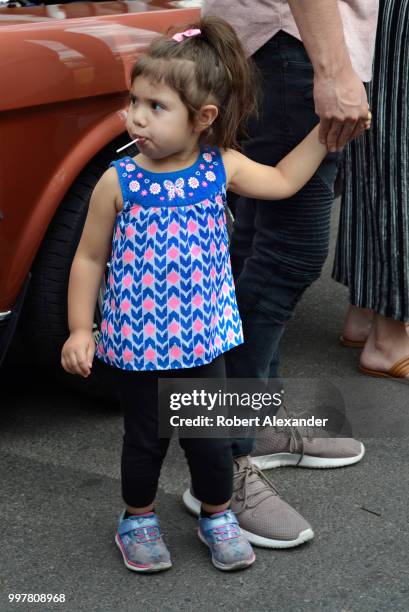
[(170, 301)]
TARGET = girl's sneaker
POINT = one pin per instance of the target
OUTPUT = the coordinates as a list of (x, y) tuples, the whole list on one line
[(229, 547), (140, 541)]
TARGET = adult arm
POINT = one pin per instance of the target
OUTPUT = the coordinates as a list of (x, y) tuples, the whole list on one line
[(340, 97)]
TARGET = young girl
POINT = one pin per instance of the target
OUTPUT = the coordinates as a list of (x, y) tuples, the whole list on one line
[(169, 308)]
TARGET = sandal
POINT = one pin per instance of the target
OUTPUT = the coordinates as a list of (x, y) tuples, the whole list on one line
[(400, 369), (344, 341)]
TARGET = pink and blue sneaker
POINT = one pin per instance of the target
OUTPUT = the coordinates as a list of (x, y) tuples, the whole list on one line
[(140, 541), (229, 547)]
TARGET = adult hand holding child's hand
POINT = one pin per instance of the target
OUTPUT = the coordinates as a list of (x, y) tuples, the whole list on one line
[(78, 352), (342, 105)]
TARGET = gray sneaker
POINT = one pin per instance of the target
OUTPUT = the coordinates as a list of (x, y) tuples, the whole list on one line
[(265, 519), (276, 447)]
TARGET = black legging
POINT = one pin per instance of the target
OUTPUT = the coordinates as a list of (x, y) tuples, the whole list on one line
[(210, 460)]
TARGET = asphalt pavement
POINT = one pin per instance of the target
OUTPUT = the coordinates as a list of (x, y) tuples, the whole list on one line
[(60, 498)]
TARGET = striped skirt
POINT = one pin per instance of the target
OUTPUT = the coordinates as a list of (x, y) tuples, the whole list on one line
[(372, 253)]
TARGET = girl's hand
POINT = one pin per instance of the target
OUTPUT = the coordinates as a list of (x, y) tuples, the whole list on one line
[(78, 352), (367, 121)]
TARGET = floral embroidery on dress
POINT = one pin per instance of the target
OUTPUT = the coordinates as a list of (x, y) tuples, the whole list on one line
[(189, 185), (134, 186), (155, 188), (193, 182)]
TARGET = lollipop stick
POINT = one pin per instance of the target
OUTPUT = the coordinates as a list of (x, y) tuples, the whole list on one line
[(127, 145)]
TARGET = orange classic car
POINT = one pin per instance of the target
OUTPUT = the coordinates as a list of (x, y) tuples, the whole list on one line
[(64, 79)]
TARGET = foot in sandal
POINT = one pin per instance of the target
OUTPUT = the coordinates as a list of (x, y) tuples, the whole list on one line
[(357, 326), (386, 352)]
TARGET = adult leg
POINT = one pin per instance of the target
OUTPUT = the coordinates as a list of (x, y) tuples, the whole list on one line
[(387, 345), (372, 251), (357, 326), (216, 478), (290, 241)]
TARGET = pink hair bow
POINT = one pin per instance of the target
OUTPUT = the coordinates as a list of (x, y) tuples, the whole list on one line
[(186, 34)]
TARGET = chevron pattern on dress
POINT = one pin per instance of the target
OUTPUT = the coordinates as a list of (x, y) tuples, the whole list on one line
[(170, 301)]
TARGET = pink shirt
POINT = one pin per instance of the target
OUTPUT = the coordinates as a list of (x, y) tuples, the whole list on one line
[(256, 21)]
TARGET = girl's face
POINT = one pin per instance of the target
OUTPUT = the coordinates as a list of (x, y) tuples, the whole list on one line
[(160, 120)]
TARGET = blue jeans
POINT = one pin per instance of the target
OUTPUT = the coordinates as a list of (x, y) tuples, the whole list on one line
[(278, 248)]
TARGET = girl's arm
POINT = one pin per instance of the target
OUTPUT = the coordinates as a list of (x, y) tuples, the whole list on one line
[(92, 253), (251, 179)]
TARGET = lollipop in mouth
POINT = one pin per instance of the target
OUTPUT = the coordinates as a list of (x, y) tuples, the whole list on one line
[(128, 145)]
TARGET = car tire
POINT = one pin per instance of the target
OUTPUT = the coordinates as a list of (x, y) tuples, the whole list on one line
[(44, 319)]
